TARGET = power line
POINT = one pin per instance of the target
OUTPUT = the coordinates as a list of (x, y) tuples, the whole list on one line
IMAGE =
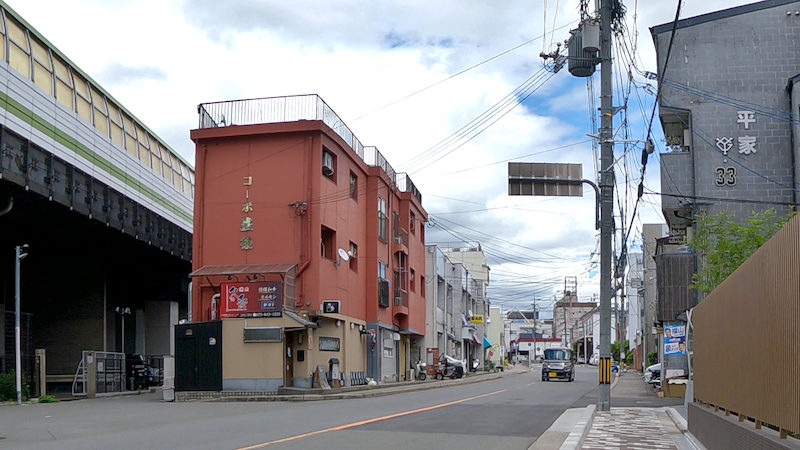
[(458, 73)]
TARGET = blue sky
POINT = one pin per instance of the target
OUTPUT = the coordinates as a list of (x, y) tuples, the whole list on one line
[(403, 76)]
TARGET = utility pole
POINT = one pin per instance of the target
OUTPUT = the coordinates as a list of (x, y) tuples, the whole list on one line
[(564, 314), (535, 316), (606, 205), (19, 253)]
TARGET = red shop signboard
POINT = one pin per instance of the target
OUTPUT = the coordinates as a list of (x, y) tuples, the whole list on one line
[(255, 299)]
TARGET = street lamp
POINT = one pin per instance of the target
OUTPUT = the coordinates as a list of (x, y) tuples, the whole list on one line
[(20, 252), (123, 312)]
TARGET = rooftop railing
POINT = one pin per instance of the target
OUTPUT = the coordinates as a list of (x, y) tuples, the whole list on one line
[(293, 108)]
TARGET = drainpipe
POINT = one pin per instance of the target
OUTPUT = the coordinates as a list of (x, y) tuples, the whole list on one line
[(189, 310)]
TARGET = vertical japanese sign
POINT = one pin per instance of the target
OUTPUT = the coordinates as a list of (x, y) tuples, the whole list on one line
[(246, 242), (674, 339), (255, 299)]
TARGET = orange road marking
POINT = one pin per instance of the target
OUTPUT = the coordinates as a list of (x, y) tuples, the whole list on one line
[(364, 422)]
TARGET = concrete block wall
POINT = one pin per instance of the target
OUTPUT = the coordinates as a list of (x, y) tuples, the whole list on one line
[(744, 58)]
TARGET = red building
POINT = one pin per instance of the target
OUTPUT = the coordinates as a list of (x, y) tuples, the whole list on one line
[(313, 237)]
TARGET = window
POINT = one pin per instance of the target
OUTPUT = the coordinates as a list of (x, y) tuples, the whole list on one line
[(144, 146), (115, 123), (130, 135), (388, 347), (100, 111), (63, 84), (412, 281), (328, 239), (2, 47), (328, 164), (83, 105), (42, 66), (353, 252), (19, 53), (422, 286), (381, 270), (411, 221), (383, 220), (353, 186)]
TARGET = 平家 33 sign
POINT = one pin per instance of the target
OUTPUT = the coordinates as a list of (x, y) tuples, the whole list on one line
[(255, 299)]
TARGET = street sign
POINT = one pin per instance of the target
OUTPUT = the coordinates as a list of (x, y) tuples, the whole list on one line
[(330, 306), (545, 179)]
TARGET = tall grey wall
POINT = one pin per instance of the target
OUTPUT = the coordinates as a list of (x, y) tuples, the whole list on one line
[(721, 64)]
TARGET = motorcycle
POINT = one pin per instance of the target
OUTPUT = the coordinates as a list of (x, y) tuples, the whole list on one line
[(449, 367), (421, 369)]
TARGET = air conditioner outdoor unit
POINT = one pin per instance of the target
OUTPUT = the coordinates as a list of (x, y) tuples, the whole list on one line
[(327, 164), (398, 240), (397, 301)]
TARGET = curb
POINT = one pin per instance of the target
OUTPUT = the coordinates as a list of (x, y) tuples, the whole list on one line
[(377, 392), (683, 427), (579, 431)]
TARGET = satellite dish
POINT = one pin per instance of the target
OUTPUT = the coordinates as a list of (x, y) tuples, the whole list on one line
[(343, 254)]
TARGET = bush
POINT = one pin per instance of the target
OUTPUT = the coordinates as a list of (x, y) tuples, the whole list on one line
[(48, 399), (652, 358), (8, 386)]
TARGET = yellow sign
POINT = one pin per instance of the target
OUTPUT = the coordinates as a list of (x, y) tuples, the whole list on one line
[(476, 319)]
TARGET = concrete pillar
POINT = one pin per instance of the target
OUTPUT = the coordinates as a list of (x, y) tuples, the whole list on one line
[(41, 372), (90, 371)]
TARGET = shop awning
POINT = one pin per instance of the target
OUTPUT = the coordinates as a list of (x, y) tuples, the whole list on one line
[(243, 269), (486, 343), (298, 318)]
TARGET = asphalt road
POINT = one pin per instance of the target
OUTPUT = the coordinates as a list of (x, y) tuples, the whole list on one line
[(505, 413)]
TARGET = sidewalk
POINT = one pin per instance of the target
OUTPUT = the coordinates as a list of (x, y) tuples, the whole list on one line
[(343, 392), (624, 426)]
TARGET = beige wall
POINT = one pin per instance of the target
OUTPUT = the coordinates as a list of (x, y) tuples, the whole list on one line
[(252, 359), (262, 360), (351, 354)]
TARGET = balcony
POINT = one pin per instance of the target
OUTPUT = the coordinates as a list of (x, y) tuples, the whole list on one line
[(400, 240), (400, 302), (294, 108)]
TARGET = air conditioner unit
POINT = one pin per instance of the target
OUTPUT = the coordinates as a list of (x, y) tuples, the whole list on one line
[(398, 240), (383, 293), (327, 164), (398, 301)]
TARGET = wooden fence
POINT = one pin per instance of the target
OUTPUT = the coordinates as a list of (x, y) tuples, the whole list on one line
[(747, 337)]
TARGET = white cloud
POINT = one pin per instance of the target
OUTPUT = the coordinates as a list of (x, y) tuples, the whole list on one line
[(162, 58)]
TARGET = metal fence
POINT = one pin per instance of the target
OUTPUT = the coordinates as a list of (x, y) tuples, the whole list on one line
[(110, 372), (255, 111), (7, 352), (747, 337)]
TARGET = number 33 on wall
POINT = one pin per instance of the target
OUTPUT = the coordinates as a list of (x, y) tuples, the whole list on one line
[(725, 175)]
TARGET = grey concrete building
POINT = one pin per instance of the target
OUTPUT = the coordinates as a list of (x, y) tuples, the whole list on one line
[(650, 233), (727, 112), (727, 81)]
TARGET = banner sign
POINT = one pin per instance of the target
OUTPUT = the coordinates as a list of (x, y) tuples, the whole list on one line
[(674, 339), (255, 299)]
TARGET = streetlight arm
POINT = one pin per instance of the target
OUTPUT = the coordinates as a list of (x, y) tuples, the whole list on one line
[(596, 203)]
